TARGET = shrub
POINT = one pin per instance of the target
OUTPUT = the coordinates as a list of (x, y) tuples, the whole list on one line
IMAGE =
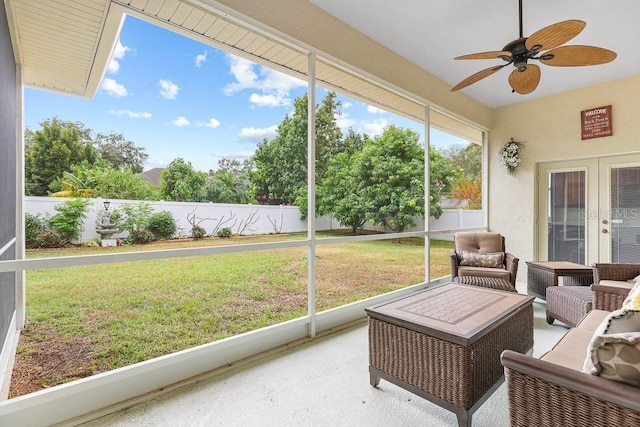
[(136, 217), (162, 225), (140, 236), (224, 232), (50, 239), (198, 232), (34, 225), (68, 220)]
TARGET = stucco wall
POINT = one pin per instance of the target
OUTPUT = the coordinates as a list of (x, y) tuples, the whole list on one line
[(549, 127)]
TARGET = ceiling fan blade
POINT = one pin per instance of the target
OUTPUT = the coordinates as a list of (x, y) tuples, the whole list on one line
[(476, 77), (486, 55), (525, 81), (555, 35), (576, 55)]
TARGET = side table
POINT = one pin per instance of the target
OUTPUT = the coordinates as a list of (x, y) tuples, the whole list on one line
[(542, 274)]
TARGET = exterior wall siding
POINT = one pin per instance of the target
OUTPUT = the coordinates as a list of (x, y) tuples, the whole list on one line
[(8, 184)]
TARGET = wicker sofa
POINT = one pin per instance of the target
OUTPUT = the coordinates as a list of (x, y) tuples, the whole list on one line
[(553, 390)]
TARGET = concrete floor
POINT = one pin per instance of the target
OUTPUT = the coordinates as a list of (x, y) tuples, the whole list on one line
[(321, 383)]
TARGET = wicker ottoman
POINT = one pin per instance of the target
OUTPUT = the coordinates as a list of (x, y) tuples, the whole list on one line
[(568, 304), (486, 282)]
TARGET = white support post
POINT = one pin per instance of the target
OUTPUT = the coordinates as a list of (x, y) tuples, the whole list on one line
[(311, 193), (20, 277), (427, 203)]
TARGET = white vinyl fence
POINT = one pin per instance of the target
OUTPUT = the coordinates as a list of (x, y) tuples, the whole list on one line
[(241, 219)]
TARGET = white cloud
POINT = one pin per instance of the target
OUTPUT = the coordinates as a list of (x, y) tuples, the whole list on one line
[(234, 155), (274, 87), (118, 53), (201, 58), (258, 134), (277, 100), (346, 105), (343, 121), (180, 121), (375, 110), (114, 88), (131, 114), (168, 90), (373, 128), (212, 123)]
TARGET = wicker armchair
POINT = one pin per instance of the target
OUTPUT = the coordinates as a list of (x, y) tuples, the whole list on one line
[(544, 393), (503, 277)]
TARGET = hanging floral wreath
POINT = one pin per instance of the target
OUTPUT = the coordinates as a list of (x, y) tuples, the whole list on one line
[(510, 156)]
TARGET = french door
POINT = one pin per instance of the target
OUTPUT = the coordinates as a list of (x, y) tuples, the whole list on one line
[(589, 210)]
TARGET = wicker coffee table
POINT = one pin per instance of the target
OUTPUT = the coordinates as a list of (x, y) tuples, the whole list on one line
[(542, 274), (444, 344)]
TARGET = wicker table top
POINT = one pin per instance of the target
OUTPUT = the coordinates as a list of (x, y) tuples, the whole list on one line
[(457, 313), (560, 267)]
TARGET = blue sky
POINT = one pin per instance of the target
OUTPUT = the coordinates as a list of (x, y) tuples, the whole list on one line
[(177, 97)]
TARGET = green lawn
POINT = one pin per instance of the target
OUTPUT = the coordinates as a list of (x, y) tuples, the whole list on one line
[(106, 316)]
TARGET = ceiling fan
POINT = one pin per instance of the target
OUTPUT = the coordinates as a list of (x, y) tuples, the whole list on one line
[(545, 46)]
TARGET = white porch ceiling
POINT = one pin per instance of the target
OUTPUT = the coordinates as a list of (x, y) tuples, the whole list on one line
[(431, 33)]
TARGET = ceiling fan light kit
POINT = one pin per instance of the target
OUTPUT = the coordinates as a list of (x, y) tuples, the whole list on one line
[(544, 45)]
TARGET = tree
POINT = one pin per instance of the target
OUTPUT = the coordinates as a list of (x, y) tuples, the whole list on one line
[(467, 160), (224, 187), (341, 193), (383, 182), (181, 183), (390, 171), (101, 180), (467, 185), (120, 153), (234, 166), (471, 191), (442, 174), (73, 185), (53, 150), (281, 164), (112, 183)]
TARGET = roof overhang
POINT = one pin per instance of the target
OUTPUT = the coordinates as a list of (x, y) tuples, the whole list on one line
[(63, 46)]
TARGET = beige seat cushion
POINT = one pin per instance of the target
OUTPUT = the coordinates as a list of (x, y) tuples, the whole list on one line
[(570, 351), (616, 284), (498, 273), (575, 343), (593, 319), (571, 361)]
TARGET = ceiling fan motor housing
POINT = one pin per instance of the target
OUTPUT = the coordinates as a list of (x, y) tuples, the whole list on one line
[(519, 53)]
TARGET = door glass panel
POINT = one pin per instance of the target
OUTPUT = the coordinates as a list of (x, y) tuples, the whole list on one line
[(567, 216), (624, 215)]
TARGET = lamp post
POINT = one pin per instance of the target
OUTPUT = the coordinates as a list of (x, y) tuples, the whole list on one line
[(106, 205)]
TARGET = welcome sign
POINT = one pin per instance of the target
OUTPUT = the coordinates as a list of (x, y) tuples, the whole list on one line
[(596, 122)]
